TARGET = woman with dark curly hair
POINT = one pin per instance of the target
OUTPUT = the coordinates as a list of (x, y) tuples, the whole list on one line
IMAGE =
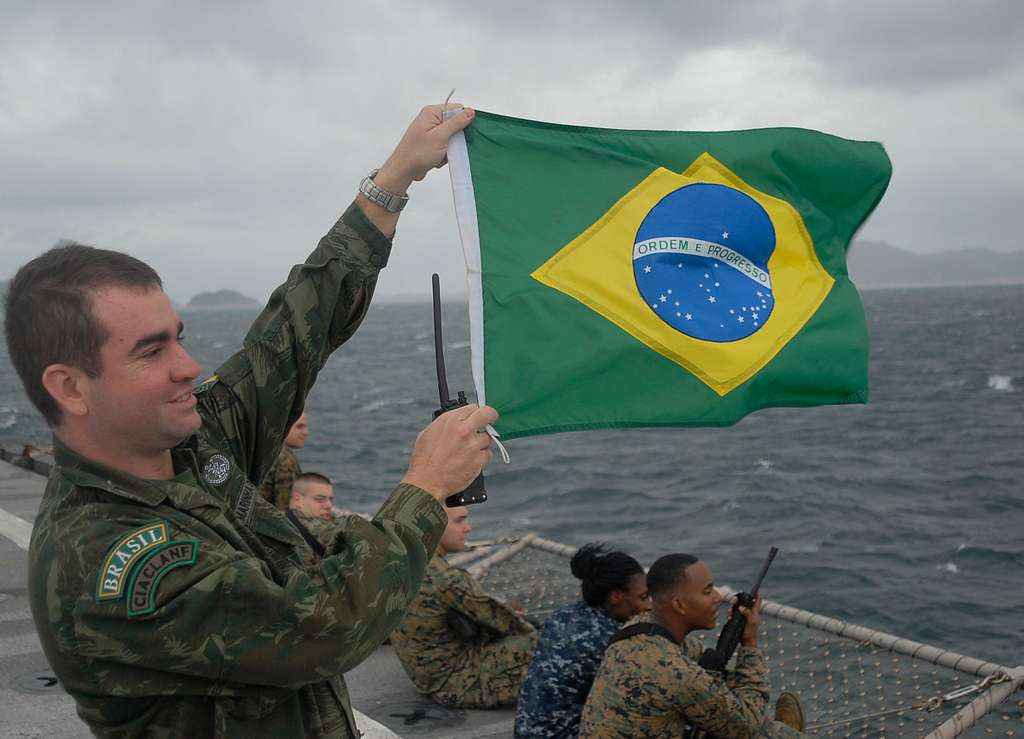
[(574, 639)]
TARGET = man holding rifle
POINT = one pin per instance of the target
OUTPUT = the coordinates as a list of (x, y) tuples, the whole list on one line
[(651, 685)]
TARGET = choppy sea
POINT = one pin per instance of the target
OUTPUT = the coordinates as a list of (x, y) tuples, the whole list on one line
[(905, 515)]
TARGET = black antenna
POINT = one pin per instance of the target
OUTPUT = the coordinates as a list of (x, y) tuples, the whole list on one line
[(764, 570), (475, 493), (442, 378)]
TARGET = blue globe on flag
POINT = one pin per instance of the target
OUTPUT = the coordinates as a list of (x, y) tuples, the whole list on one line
[(700, 260)]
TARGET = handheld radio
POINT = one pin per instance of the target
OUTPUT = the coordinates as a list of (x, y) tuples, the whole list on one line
[(475, 493), (716, 659)]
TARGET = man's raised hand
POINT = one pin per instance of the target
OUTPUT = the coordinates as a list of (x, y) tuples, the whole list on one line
[(423, 147)]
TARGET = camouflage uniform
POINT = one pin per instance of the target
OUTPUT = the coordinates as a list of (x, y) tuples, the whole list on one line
[(187, 607), (475, 672), (648, 686), (276, 487), (320, 528), (561, 671)]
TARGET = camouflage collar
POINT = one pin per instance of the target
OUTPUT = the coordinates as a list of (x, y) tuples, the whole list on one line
[(86, 472)]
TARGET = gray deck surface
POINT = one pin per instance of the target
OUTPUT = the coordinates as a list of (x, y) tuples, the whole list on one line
[(32, 704)]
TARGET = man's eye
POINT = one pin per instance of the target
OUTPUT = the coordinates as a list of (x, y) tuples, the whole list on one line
[(181, 338)]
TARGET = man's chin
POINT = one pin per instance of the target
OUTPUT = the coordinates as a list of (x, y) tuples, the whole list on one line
[(186, 429)]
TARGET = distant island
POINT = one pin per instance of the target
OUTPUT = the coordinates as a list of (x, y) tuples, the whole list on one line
[(221, 300)]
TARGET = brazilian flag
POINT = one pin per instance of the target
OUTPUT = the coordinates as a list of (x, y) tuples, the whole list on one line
[(660, 278)]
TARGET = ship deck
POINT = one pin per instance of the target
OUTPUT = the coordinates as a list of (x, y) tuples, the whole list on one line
[(854, 681)]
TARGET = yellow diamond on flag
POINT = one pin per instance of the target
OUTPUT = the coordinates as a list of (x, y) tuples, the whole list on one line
[(701, 267)]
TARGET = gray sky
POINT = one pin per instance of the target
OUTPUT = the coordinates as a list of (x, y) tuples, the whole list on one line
[(218, 140)]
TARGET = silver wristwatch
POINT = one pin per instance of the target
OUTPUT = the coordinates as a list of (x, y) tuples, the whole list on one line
[(387, 200)]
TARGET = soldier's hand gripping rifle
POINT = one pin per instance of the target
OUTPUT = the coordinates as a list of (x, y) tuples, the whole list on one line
[(475, 493), (716, 659)]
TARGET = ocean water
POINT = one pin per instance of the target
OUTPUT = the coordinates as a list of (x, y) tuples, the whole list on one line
[(905, 515)]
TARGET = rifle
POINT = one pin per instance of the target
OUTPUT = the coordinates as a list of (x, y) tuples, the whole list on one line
[(716, 659), (475, 493)]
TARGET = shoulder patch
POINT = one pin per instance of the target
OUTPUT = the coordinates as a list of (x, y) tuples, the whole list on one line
[(157, 563), (217, 469), (206, 384), (125, 553)]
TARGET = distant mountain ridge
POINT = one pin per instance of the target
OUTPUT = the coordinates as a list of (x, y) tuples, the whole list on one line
[(877, 264)]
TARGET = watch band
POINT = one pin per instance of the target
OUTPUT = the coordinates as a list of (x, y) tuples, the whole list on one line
[(389, 201)]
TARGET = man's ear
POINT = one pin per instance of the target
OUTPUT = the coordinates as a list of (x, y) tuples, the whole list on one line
[(68, 388), (678, 606)]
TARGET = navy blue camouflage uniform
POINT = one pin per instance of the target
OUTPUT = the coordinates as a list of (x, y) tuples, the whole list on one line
[(562, 670)]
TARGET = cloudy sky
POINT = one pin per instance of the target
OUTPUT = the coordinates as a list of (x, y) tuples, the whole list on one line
[(219, 140)]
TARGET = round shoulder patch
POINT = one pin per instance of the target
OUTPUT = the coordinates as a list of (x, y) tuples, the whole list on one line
[(216, 469)]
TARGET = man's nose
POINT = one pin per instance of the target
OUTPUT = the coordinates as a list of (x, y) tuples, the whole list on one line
[(184, 368)]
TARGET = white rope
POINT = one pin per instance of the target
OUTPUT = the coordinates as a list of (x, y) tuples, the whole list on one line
[(1005, 684)]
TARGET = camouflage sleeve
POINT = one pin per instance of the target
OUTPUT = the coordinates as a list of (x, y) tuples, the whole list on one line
[(733, 707), (221, 619), (260, 391), (461, 592), (749, 677), (693, 647)]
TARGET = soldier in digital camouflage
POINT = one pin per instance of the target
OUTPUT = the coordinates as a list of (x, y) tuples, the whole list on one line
[(276, 487), (170, 599), (460, 646), (650, 685), (311, 510), (573, 641)]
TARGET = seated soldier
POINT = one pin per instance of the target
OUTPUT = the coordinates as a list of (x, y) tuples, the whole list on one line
[(276, 487), (649, 685), (574, 639), (311, 510), (460, 646)]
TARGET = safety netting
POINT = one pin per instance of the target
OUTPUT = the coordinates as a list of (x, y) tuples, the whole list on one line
[(853, 681)]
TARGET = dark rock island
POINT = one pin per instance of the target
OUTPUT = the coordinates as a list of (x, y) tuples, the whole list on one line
[(221, 300)]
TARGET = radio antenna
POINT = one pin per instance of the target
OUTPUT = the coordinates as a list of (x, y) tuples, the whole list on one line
[(442, 377)]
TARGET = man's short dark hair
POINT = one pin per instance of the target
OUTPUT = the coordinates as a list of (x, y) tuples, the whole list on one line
[(313, 477), (668, 572), (49, 318)]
